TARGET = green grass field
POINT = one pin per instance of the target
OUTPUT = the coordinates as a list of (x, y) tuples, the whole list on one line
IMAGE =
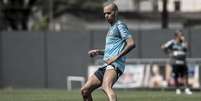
[(63, 95)]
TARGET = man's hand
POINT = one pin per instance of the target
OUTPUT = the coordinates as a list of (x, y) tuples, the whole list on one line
[(93, 53), (113, 59), (162, 46)]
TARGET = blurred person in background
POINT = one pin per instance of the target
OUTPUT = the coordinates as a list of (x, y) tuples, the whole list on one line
[(119, 42), (177, 50), (156, 79)]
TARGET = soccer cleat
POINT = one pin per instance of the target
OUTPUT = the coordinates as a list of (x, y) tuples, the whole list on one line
[(188, 91), (178, 91)]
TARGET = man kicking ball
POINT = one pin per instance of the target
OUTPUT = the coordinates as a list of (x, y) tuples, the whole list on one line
[(119, 42)]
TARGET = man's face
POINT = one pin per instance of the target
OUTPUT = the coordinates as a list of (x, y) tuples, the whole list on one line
[(180, 36), (109, 13)]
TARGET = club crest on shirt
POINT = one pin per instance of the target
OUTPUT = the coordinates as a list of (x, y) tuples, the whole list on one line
[(113, 32)]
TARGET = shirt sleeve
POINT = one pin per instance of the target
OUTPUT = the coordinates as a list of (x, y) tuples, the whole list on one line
[(168, 44), (123, 29)]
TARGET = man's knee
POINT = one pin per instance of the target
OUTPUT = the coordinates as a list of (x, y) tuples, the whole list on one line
[(84, 92)]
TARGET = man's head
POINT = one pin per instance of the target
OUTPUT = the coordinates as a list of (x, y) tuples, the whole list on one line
[(179, 36), (110, 11)]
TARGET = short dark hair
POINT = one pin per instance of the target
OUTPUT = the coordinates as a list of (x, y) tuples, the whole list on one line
[(114, 6)]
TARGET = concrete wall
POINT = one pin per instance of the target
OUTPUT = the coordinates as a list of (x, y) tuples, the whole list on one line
[(42, 60), (45, 59), (22, 61)]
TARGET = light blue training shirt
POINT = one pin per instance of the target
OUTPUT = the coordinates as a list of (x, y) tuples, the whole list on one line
[(115, 43)]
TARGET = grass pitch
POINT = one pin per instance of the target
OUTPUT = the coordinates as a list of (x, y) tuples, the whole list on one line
[(123, 95)]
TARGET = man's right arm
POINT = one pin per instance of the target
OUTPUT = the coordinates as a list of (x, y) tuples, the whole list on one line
[(165, 47), (101, 52), (95, 52)]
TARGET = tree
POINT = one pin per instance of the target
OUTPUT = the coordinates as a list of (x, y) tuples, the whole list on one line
[(16, 13), (164, 15)]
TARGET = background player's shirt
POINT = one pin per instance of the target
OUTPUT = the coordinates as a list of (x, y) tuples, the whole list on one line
[(115, 43), (177, 51)]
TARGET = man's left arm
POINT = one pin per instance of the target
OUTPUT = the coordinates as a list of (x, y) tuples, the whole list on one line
[(130, 44)]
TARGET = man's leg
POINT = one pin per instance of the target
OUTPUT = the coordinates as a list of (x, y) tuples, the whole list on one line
[(110, 77), (92, 83), (187, 90), (176, 78), (184, 75)]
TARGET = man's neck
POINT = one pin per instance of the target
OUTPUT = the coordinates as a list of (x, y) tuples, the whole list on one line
[(178, 41), (112, 23)]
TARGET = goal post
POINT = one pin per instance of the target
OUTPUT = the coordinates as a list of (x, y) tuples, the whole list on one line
[(70, 79)]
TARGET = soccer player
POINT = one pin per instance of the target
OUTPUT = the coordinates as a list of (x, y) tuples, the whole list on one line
[(119, 42), (177, 50)]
